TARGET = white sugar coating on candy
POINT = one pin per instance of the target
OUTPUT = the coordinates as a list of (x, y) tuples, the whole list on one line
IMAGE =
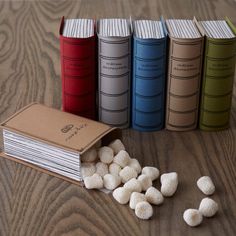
[(135, 198), (105, 154), (143, 210), (127, 173), (121, 195), (93, 182), (154, 196), (169, 184), (206, 185), (122, 158), (117, 146), (150, 171), (111, 182), (89, 156), (114, 169), (101, 168), (134, 163), (145, 182), (208, 207), (133, 185), (87, 169), (193, 217)]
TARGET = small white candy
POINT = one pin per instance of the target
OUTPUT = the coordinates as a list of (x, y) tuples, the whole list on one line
[(145, 182), (111, 181), (87, 169), (105, 154), (117, 146), (208, 207), (150, 171), (114, 169), (169, 184), (135, 198), (122, 158), (101, 168), (93, 182), (127, 173), (143, 210), (89, 156), (133, 185), (121, 195), (135, 165), (154, 196), (193, 217), (206, 185)]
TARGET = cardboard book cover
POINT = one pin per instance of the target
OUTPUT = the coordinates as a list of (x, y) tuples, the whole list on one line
[(183, 85), (217, 81), (79, 73), (55, 129)]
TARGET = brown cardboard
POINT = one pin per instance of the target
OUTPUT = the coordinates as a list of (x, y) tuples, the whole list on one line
[(183, 87), (60, 129), (56, 127)]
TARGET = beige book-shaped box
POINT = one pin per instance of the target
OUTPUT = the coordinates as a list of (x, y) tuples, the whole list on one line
[(184, 74), (51, 140)]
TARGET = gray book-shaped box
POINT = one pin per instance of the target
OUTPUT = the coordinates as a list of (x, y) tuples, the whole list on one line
[(114, 68)]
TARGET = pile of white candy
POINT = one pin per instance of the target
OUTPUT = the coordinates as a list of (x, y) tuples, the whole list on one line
[(111, 166), (207, 208)]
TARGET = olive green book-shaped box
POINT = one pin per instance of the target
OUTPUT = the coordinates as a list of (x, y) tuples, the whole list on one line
[(217, 81)]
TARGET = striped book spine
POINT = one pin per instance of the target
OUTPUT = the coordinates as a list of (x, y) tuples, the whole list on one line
[(114, 80), (148, 99), (184, 74)]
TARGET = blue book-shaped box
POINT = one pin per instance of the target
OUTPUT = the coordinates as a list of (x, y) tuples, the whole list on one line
[(149, 73)]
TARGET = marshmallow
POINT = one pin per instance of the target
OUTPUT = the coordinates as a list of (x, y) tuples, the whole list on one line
[(121, 195), (89, 156), (208, 207), (135, 165), (145, 182), (87, 169), (127, 173), (101, 168), (135, 198), (169, 183), (154, 196), (93, 182), (133, 185), (114, 169), (117, 146), (143, 210), (111, 181), (206, 185), (150, 171), (105, 154), (122, 158), (193, 217)]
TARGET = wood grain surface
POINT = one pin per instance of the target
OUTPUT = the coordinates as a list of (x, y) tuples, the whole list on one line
[(32, 203)]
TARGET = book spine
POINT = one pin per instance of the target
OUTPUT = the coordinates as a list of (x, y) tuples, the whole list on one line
[(78, 71), (184, 76), (217, 86), (148, 95), (114, 81)]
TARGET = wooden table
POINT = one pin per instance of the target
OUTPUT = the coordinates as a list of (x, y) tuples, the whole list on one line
[(32, 203)]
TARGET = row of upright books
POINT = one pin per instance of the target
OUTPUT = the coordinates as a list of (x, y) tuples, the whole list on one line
[(175, 74)]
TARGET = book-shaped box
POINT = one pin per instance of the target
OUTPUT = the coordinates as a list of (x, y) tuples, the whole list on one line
[(114, 69), (218, 75), (51, 140), (78, 74), (184, 77), (149, 73)]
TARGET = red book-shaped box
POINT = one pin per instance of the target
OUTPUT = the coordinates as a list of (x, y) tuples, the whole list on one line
[(78, 73)]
